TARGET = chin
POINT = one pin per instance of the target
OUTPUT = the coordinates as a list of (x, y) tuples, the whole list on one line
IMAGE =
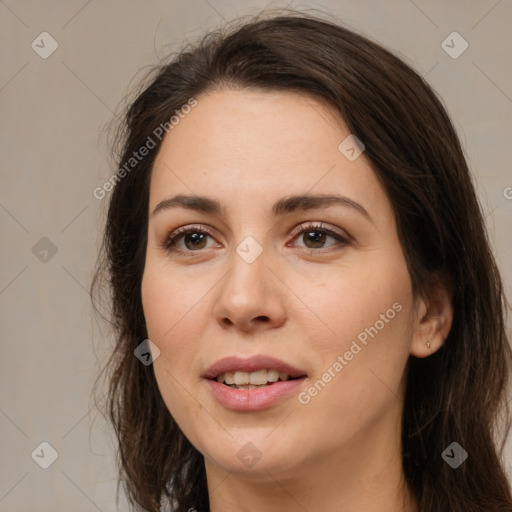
[(256, 456)]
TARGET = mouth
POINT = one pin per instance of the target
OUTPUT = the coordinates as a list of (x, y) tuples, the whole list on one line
[(259, 370), (254, 384), (255, 379)]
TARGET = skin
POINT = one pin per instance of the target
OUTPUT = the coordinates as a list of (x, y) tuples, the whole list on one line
[(300, 302)]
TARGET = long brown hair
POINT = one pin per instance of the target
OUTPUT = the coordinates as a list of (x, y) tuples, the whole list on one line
[(456, 394)]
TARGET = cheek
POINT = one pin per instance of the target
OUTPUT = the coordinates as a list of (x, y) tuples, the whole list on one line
[(170, 319), (359, 383), (168, 311), (364, 344), (157, 292), (169, 299), (342, 301)]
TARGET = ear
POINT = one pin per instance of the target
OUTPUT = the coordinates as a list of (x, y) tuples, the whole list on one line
[(434, 317)]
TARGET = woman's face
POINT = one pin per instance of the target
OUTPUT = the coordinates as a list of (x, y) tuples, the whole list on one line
[(311, 289)]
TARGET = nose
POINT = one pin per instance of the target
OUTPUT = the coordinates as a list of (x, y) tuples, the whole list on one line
[(251, 296)]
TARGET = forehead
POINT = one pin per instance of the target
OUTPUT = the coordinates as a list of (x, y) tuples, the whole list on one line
[(259, 145)]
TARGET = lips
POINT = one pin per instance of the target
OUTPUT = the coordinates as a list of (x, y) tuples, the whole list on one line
[(251, 397), (252, 364)]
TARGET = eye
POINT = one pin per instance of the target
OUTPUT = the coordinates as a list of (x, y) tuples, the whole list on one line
[(194, 238), (314, 236)]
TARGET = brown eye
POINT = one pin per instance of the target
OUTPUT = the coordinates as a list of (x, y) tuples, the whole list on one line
[(315, 237), (194, 239)]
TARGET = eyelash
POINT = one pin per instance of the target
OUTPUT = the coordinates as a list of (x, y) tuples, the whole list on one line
[(169, 243)]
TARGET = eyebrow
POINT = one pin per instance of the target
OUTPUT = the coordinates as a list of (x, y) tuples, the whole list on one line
[(286, 205)]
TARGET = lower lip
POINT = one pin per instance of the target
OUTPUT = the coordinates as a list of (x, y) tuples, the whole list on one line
[(254, 399)]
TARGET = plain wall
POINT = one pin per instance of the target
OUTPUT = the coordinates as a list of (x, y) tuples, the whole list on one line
[(53, 155)]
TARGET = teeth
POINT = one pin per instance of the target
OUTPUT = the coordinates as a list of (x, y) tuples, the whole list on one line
[(259, 377), (241, 378), (249, 380), (272, 375)]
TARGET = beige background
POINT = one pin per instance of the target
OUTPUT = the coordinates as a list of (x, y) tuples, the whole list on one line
[(53, 155)]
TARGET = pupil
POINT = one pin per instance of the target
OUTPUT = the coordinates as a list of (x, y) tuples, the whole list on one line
[(196, 238), (317, 238)]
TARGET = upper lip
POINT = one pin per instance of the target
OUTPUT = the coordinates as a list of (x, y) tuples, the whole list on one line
[(251, 364)]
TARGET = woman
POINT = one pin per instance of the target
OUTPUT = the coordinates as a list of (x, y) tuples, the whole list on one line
[(295, 244)]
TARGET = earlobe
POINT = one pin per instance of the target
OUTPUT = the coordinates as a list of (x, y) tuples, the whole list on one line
[(433, 322)]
